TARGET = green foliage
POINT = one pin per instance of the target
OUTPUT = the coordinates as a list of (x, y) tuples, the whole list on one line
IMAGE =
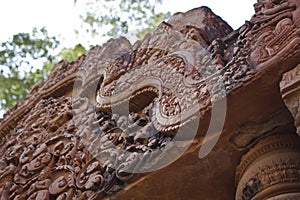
[(114, 18), (70, 54), (25, 59)]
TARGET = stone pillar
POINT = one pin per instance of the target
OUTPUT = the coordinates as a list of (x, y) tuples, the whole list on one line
[(270, 170), (287, 196), (290, 90)]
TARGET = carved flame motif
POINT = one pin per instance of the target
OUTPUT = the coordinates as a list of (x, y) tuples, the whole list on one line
[(179, 57), (131, 102)]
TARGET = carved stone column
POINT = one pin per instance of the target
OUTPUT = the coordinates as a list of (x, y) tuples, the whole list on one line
[(287, 196), (290, 90), (270, 170)]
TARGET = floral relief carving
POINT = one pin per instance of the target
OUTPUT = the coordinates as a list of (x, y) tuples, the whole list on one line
[(273, 162), (130, 101)]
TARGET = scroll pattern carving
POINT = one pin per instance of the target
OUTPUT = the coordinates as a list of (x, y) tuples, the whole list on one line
[(202, 67), (151, 65), (268, 42), (166, 79), (59, 82), (46, 156), (276, 23), (166, 56), (193, 51)]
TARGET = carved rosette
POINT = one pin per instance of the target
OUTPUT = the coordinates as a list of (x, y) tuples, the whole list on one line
[(270, 170)]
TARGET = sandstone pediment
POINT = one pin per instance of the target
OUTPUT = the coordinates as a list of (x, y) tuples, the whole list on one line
[(192, 111)]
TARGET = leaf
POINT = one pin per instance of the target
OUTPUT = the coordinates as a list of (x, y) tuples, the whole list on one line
[(115, 18), (20, 53)]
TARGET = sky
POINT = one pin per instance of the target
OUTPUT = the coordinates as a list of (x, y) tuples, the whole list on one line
[(61, 17)]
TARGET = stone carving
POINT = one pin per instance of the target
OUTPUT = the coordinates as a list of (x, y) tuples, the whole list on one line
[(246, 135), (267, 41), (59, 82), (200, 64), (264, 168), (129, 101), (290, 89), (47, 158), (288, 196), (171, 53), (273, 14)]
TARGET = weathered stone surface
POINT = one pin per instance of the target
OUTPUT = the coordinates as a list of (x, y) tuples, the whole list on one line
[(266, 169), (127, 121), (290, 89)]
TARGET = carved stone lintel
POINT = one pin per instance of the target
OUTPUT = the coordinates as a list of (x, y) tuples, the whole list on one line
[(90, 146)]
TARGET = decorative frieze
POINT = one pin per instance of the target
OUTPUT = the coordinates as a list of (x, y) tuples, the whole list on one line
[(270, 168)]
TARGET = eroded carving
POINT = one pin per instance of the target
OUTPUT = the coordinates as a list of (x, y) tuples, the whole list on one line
[(271, 164), (130, 101), (290, 89), (199, 63)]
